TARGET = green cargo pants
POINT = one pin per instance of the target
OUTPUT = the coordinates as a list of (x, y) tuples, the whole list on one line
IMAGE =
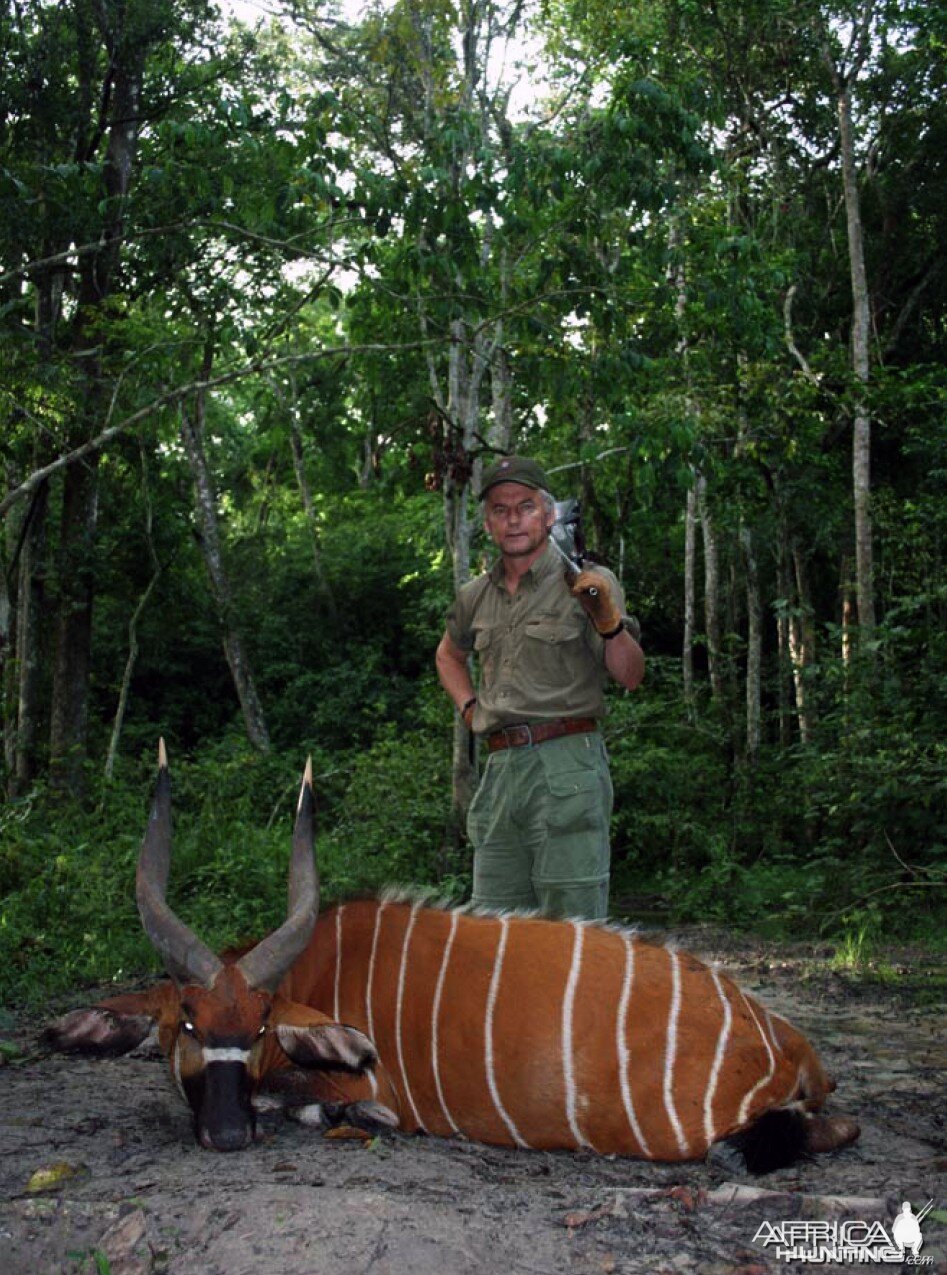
[(539, 828)]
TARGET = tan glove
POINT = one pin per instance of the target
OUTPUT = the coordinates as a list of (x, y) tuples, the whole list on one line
[(595, 595)]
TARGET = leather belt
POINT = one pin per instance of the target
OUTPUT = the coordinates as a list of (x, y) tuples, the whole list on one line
[(521, 735)]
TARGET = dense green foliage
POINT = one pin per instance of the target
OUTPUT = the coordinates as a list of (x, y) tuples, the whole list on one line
[(288, 313)]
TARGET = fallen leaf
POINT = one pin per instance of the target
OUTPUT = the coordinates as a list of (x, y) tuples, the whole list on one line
[(52, 1177), (576, 1219), (348, 1131)]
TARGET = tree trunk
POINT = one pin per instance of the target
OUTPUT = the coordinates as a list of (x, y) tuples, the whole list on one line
[(119, 719), (754, 647), (471, 351), (501, 391), (30, 627), (592, 522), (847, 610), (861, 329), (305, 493), (500, 433), (467, 364), (677, 279), (7, 680), (130, 660), (711, 592), (192, 435), (782, 637), (802, 647), (806, 622), (690, 593), (843, 80), (72, 662), (72, 658), (796, 632), (797, 659)]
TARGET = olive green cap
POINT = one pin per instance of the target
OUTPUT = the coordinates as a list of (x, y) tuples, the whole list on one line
[(514, 469)]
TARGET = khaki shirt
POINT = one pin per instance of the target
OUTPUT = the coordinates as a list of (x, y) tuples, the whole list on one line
[(540, 656)]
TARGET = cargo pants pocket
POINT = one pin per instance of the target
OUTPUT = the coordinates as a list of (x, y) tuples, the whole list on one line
[(571, 870)]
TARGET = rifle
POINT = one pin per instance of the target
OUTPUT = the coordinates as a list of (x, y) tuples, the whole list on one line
[(566, 536)]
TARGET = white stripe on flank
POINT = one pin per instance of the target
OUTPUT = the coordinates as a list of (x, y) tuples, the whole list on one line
[(435, 1016), (621, 1039), (399, 1005), (338, 960), (225, 1055), (568, 1060), (670, 1055), (176, 1068), (369, 1018), (723, 1039), (515, 1134), (770, 1027), (744, 1113)]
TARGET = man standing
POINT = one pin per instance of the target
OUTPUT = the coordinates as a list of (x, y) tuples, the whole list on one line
[(546, 639)]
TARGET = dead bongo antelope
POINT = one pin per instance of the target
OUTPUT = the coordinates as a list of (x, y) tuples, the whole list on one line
[(225, 1025), (511, 1030)]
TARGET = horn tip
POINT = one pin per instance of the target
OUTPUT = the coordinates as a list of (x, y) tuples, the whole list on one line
[(306, 784), (162, 755)]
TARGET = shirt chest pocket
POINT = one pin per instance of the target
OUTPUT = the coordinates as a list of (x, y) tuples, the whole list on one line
[(554, 632), (553, 652)]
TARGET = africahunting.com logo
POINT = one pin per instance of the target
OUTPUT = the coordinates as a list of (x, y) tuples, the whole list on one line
[(859, 1242)]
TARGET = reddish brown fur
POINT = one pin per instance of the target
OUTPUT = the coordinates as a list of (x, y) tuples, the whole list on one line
[(527, 1032), (532, 1060)]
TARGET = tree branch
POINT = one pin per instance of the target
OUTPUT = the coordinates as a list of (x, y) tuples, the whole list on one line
[(171, 397), (790, 340)]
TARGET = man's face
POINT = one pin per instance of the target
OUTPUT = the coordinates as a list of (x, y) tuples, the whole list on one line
[(516, 519)]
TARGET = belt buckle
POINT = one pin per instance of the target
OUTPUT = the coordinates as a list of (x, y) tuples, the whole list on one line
[(509, 732)]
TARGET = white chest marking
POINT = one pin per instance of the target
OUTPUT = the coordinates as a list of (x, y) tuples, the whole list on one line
[(225, 1055)]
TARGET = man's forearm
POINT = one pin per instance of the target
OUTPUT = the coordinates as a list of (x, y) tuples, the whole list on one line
[(454, 673)]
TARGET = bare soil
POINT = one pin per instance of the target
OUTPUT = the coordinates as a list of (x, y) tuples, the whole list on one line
[(128, 1192)]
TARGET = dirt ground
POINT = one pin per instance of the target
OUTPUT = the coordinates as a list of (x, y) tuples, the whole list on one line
[(128, 1192)]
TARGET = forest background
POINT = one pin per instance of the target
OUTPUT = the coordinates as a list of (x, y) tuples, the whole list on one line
[(272, 294)]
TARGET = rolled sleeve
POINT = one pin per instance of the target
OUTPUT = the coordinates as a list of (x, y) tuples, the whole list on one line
[(459, 622)]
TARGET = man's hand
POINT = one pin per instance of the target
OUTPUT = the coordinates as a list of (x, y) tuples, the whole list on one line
[(595, 595)]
